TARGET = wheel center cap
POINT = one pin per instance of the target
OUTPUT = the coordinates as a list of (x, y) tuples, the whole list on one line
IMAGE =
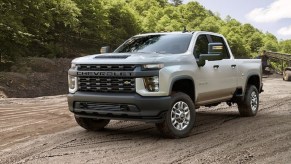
[(182, 115)]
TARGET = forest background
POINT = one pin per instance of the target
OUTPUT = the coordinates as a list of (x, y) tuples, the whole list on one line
[(72, 28)]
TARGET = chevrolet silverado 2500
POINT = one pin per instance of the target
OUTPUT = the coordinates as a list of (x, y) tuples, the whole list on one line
[(162, 78)]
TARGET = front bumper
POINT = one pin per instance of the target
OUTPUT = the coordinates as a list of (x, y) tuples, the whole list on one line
[(125, 106)]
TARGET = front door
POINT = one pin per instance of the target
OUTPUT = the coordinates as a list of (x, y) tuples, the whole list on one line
[(216, 80)]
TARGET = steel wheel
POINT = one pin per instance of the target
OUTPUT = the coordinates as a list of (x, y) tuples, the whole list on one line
[(254, 101), (249, 105), (180, 115), (179, 118)]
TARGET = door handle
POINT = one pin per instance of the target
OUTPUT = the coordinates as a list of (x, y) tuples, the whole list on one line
[(233, 66), (216, 66)]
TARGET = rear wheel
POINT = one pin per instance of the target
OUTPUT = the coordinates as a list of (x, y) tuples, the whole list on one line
[(2, 95), (250, 105), (287, 75), (91, 124), (180, 118)]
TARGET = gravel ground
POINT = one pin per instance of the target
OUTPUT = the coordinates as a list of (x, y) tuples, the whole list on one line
[(42, 130)]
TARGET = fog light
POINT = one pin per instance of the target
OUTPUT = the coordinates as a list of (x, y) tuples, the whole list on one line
[(151, 83), (72, 81)]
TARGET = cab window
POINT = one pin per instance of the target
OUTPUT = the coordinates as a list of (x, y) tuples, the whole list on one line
[(201, 46), (225, 52)]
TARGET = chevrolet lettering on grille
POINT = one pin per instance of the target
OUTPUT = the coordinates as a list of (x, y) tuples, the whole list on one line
[(104, 74)]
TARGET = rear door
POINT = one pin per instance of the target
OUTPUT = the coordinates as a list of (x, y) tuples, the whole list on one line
[(228, 67)]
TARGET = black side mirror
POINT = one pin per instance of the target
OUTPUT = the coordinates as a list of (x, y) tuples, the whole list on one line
[(104, 49), (214, 53)]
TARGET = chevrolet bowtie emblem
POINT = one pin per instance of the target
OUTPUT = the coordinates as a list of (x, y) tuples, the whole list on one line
[(126, 82)]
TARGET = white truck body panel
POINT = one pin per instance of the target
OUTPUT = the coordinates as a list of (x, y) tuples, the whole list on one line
[(211, 84)]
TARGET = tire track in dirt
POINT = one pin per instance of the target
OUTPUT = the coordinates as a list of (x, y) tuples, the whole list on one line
[(220, 136), (23, 119)]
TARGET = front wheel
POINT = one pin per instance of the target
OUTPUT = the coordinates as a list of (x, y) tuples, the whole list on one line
[(250, 104), (287, 75), (180, 118), (92, 124)]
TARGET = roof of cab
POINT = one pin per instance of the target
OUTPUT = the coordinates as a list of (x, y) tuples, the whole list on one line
[(167, 33), (179, 32)]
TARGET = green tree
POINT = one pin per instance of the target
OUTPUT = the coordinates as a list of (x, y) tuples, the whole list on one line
[(210, 24), (236, 44), (270, 43), (177, 2), (193, 14), (255, 42), (67, 28), (151, 19), (142, 6), (122, 23), (285, 46), (26, 26)]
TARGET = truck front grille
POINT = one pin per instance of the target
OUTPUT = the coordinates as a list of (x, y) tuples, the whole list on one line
[(113, 67), (106, 84)]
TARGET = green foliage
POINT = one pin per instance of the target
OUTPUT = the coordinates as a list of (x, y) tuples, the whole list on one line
[(28, 26), (68, 28), (177, 2), (270, 43), (285, 46), (211, 24)]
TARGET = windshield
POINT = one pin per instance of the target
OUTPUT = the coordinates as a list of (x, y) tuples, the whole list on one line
[(160, 43)]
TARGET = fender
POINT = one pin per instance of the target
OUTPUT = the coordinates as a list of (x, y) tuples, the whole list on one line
[(247, 79), (183, 77)]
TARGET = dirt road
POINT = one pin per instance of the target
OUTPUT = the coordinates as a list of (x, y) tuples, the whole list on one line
[(42, 130)]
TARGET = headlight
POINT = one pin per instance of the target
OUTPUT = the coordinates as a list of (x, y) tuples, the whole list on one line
[(73, 66), (72, 81), (152, 66), (151, 83)]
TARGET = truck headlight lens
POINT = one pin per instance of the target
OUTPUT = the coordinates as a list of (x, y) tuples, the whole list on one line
[(152, 66), (73, 66), (151, 83), (72, 81)]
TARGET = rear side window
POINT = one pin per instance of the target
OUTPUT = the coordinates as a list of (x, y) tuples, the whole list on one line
[(201, 46), (221, 40)]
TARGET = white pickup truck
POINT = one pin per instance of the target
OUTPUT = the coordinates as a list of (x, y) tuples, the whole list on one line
[(162, 78)]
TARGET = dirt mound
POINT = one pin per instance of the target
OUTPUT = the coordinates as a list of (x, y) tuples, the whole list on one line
[(35, 77)]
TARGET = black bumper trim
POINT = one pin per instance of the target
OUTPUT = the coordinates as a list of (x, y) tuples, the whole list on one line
[(149, 108), (157, 119)]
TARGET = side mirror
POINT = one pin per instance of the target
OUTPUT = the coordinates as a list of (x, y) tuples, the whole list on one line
[(104, 49), (214, 53)]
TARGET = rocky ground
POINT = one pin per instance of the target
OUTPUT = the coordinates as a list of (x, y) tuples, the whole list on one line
[(42, 130)]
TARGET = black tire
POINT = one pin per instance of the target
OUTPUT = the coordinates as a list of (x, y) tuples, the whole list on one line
[(287, 75), (250, 104), (92, 124), (167, 128), (2, 95)]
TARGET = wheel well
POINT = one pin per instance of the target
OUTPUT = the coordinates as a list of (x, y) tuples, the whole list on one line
[(186, 86), (254, 80)]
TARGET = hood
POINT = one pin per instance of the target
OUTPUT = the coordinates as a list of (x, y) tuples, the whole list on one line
[(129, 58)]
